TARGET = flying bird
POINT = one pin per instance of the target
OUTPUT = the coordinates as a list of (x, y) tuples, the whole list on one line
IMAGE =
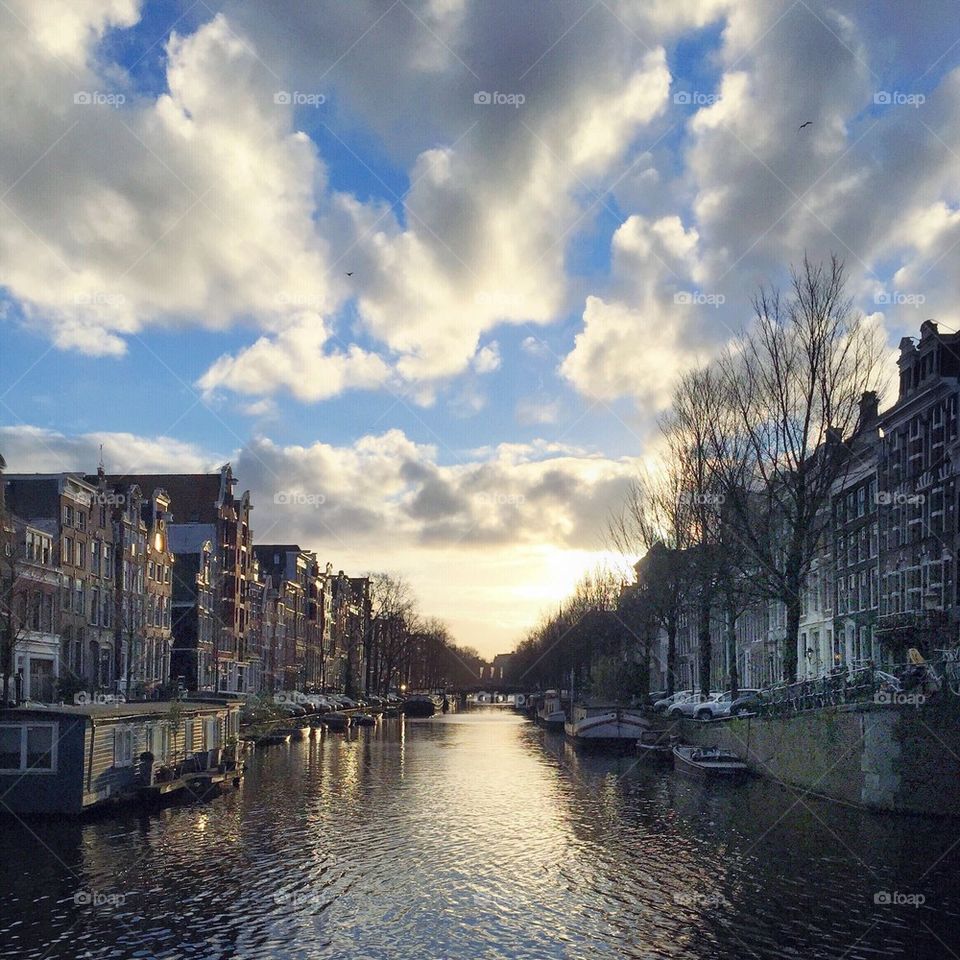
[(350, 274), (802, 125)]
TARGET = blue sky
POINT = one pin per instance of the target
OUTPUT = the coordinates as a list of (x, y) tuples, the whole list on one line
[(473, 401)]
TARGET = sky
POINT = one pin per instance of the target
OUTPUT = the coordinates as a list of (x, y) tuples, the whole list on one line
[(425, 271)]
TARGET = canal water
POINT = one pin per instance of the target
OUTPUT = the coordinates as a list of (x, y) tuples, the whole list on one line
[(478, 835)]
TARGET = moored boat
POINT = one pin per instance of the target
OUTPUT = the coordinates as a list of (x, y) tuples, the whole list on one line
[(363, 720), (606, 725), (709, 763), (656, 746), (336, 721), (418, 707), (550, 713)]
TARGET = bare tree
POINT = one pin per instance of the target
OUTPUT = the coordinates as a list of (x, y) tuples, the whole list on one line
[(655, 523), (791, 390)]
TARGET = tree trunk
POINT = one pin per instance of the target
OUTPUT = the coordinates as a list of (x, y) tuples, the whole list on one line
[(790, 640), (671, 657), (731, 634), (704, 644)]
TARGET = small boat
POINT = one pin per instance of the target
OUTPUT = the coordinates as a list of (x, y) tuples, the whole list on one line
[(550, 713), (294, 733), (363, 720), (606, 725), (391, 713), (709, 763), (656, 746), (273, 739), (336, 720), (418, 707)]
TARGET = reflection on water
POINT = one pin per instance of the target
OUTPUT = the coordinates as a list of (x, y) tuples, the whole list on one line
[(478, 835)]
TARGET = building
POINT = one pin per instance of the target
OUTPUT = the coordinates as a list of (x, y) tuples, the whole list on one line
[(917, 499), (193, 606), (856, 551), (59, 506), (206, 509)]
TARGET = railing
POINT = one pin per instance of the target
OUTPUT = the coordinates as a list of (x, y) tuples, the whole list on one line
[(900, 684)]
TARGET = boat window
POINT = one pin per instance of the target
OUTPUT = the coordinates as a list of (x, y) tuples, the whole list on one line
[(28, 748)]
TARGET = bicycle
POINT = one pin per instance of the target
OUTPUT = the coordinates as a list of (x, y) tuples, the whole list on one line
[(951, 668)]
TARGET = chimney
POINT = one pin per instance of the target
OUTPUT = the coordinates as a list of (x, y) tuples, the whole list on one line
[(869, 407), (928, 329)]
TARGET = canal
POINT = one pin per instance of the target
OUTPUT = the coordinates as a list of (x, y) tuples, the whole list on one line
[(477, 835)]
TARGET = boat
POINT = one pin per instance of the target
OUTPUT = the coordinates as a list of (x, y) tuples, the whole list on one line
[(550, 713), (363, 720), (656, 746), (336, 720), (294, 733), (418, 707), (709, 763), (273, 739), (605, 725)]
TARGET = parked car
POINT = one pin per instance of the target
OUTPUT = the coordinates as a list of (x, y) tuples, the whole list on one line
[(748, 701), (720, 705), (666, 702), (691, 706)]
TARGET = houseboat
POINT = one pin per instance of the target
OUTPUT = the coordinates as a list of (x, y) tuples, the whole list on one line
[(605, 725), (67, 759), (550, 713)]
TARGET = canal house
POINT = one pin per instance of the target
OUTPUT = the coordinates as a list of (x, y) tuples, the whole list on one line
[(67, 759)]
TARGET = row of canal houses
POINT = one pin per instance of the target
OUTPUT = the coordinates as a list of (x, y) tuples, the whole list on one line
[(885, 577), (145, 585)]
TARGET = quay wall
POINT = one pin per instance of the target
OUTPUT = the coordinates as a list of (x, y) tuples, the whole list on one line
[(901, 759)]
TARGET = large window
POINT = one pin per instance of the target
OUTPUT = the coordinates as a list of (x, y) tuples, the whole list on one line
[(122, 746), (28, 747)]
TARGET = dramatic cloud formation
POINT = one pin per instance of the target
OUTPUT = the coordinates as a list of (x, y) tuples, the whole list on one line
[(521, 215)]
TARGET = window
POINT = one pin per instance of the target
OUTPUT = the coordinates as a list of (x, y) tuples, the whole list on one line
[(28, 748), (158, 741), (211, 733), (67, 550), (81, 520), (95, 557), (122, 746), (68, 516), (861, 500), (81, 555)]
